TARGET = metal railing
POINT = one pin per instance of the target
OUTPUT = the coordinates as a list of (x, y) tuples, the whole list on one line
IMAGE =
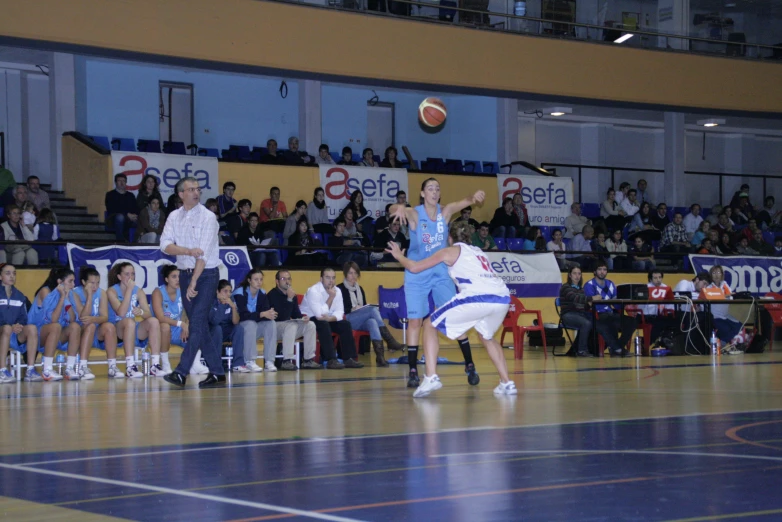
[(533, 26)]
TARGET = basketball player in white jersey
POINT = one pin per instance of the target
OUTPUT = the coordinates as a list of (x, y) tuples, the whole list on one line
[(482, 303)]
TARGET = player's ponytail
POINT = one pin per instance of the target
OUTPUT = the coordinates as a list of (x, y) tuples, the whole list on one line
[(461, 232)]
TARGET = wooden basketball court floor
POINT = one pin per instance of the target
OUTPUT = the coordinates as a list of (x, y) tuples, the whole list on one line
[(677, 438)]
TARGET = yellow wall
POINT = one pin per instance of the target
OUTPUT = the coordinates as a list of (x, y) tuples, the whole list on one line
[(273, 37), (86, 175)]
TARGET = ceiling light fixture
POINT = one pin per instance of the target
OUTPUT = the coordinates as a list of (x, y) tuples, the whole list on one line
[(624, 38), (557, 111), (711, 122)]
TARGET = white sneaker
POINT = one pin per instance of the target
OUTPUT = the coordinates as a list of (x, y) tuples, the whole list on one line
[(131, 372), (51, 375), (157, 371), (86, 374), (506, 388), (254, 367), (6, 376), (166, 367), (199, 368), (72, 374), (115, 373), (269, 367), (242, 369), (427, 386)]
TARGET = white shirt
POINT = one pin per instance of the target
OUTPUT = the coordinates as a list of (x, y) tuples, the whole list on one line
[(691, 224), (194, 228), (630, 208), (552, 247), (314, 303), (687, 287)]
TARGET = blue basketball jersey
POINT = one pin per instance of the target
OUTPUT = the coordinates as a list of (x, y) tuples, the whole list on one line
[(94, 307), (47, 310), (113, 317), (428, 237), (171, 309)]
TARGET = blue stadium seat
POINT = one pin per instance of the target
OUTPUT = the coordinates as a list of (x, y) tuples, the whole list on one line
[(174, 147), (500, 242), (123, 144), (453, 165), (491, 167), (590, 210), (515, 244), (242, 152), (229, 155), (103, 141), (336, 156), (376, 158), (447, 11), (148, 145), (356, 157), (210, 153), (473, 166), (769, 236)]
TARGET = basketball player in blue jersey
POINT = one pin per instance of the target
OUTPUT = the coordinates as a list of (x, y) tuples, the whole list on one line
[(428, 224)]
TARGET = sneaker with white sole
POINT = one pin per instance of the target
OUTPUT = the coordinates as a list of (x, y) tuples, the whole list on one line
[(32, 375), (115, 373), (427, 386), (166, 367), (131, 372), (6, 376), (241, 369), (254, 367), (157, 371), (51, 375), (199, 368), (86, 374), (269, 367), (506, 388), (72, 374)]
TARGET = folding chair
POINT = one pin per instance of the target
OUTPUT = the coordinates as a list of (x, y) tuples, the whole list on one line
[(565, 329)]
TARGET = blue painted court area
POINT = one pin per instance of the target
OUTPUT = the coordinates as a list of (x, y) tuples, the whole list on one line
[(725, 465)]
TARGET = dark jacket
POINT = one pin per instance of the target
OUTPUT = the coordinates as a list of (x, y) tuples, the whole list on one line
[(573, 299), (13, 310), (117, 203), (346, 302), (240, 297), (658, 222), (501, 219), (243, 238), (383, 238), (286, 310)]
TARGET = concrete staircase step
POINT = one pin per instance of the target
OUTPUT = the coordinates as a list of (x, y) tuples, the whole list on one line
[(88, 236)]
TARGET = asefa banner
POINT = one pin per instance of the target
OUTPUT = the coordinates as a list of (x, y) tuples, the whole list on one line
[(527, 275), (548, 199), (147, 260), (378, 185), (758, 275), (168, 169)]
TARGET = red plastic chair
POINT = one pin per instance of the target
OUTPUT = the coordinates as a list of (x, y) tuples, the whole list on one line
[(774, 309), (646, 328), (511, 324), (335, 337)]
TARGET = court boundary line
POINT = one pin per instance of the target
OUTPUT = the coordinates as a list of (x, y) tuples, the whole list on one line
[(183, 493), (375, 436), (611, 452)]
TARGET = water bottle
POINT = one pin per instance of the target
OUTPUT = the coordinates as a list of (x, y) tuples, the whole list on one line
[(145, 362), (639, 345), (229, 354), (60, 360), (78, 363), (714, 342)]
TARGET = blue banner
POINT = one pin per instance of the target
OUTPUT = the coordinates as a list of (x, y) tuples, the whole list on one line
[(758, 275), (147, 260)]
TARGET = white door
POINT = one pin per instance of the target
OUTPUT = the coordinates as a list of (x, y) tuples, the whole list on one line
[(176, 112), (380, 127)]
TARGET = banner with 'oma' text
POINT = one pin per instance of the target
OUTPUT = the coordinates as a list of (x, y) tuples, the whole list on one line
[(527, 275), (379, 186), (758, 275), (147, 261), (548, 199), (168, 169)]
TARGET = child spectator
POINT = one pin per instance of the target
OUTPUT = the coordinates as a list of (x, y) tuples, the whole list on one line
[(47, 230), (29, 214)]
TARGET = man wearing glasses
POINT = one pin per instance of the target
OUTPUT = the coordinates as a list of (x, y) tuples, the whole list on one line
[(190, 234), (291, 324)]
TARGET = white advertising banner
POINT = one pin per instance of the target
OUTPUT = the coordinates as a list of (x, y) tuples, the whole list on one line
[(379, 187), (527, 275), (548, 199), (168, 169)]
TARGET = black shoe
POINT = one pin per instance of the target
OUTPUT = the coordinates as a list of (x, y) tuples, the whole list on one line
[(212, 381), (176, 378), (472, 376), (412, 380), (585, 354), (621, 353)]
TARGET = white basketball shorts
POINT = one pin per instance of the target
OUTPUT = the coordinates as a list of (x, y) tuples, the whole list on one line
[(484, 312)]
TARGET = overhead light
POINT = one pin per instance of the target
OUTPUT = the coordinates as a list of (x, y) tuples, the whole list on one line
[(711, 122), (557, 111), (624, 38)]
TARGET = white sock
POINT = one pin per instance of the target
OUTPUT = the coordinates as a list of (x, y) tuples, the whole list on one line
[(112, 362), (164, 358), (48, 362), (155, 360), (130, 361), (70, 361), (84, 363)]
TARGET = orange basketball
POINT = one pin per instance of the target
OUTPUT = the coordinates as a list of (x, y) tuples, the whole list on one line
[(432, 112)]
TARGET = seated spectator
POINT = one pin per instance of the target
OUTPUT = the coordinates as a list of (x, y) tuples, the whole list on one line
[(629, 204), (612, 212), (482, 239), (659, 316), (224, 321), (769, 216), (610, 320), (744, 189), (368, 159), (324, 158), (294, 156), (692, 289), (725, 246), (360, 213), (750, 229), (148, 189), (617, 245), (505, 222), (292, 220), (46, 229), (641, 255), (272, 156), (534, 242), (19, 196), (351, 228), (174, 202), (660, 217), (226, 204), (401, 198), (223, 233), (466, 217), (520, 209), (759, 244), (251, 235), (318, 213), (675, 238), (574, 307), (778, 246), (391, 234), (151, 221), (575, 222), (347, 157), (256, 318), (121, 208), (693, 220), (642, 195), (559, 248), (621, 194), (724, 224), (391, 159), (29, 214), (706, 247), (303, 244), (714, 236), (581, 244), (340, 239), (273, 211), (729, 329), (701, 234), (642, 224), (599, 247), (381, 223), (238, 219), (714, 214), (743, 247), (36, 194), (743, 212)]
